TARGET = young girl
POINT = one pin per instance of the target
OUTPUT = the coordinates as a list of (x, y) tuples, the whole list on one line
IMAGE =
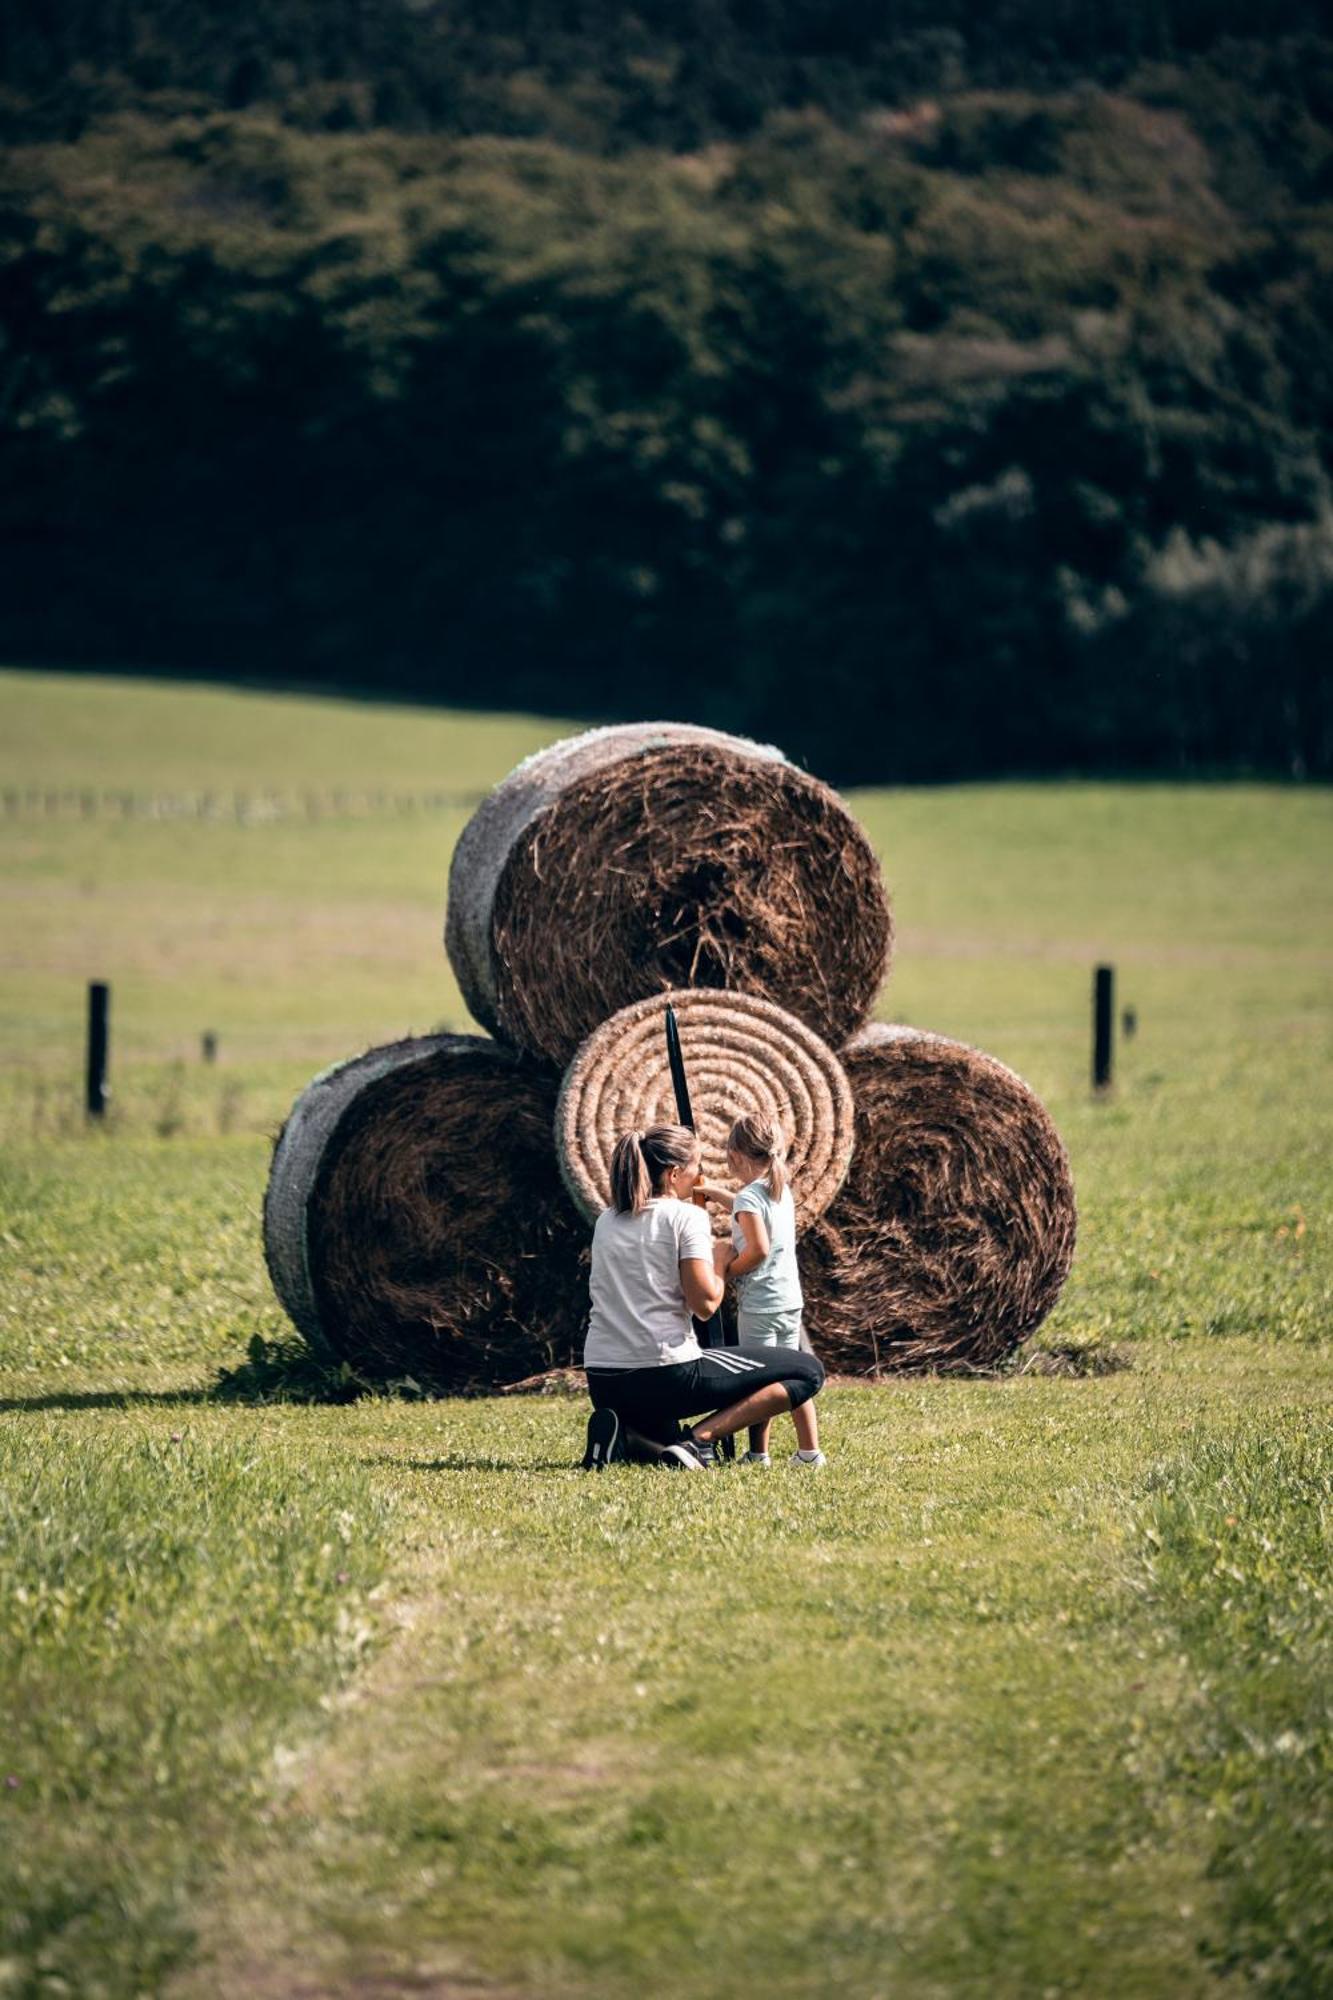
[(763, 1264)]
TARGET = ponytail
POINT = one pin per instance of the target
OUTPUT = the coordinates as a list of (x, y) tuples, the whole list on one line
[(760, 1138), (642, 1160), (631, 1186)]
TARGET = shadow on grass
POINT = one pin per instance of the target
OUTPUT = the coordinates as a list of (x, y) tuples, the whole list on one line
[(105, 1399), (274, 1371), (455, 1462), (286, 1371)]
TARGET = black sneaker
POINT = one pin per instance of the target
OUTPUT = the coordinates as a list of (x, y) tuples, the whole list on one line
[(641, 1450), (689, 1456), (604, 1445)]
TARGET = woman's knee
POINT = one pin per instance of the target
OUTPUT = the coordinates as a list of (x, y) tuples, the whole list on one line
[(804, 1379)]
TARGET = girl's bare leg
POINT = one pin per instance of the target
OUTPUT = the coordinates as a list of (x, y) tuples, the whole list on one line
[(807, 1426), (759, 1436)]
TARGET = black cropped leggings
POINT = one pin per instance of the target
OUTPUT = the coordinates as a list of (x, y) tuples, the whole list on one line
[(652, 1401)]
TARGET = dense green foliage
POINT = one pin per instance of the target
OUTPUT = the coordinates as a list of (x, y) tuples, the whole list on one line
[(963, 413), (667, 72)]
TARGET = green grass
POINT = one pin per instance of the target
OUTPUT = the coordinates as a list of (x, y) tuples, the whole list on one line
[(150, 736), (1027, 1694), (929, 1744), (169, 1599), (1240, 1534)]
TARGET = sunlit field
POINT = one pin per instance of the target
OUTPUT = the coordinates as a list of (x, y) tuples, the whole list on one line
[(1027, 1693)]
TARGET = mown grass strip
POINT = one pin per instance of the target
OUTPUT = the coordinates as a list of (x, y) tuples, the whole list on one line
[(907, 1728)]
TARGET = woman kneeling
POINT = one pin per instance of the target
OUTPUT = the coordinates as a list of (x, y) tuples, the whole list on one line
[(653, 1265)]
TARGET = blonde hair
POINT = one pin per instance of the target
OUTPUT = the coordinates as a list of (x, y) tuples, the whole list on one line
[(642, 1160), (760, 1138)]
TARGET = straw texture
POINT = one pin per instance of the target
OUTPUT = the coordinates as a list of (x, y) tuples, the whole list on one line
[(954, 1232), (416, 1223), (741, 1055), (628, 862)]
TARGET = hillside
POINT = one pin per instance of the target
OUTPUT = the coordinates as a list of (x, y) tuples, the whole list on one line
[(988, 369)]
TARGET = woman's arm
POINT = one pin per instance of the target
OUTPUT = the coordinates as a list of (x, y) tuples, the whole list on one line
[(758, 1243), (702, 1286)]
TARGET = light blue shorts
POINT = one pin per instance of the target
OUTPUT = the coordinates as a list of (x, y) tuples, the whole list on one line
[(769, 1329)]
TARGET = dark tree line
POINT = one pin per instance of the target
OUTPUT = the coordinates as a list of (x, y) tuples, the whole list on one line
[(975, 418), (666, 72)]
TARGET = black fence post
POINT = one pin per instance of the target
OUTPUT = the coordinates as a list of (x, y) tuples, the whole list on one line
[(1103, 1018), (99, 1036), (208, 1046)]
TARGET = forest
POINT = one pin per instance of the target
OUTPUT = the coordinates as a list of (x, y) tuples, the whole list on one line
[(936, 396)]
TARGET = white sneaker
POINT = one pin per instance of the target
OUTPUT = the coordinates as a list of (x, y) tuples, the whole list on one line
[(756, 1458), (810, 1464)]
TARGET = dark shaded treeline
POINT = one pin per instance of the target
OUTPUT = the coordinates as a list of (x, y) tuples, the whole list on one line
[(943, 430), (665, 72)]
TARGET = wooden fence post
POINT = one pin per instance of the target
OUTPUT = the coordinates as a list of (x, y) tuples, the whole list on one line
[(99, 1038), (1103, 1019)]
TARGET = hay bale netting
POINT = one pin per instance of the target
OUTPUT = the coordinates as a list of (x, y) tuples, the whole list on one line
[(629, 861), (741, 1055), (416, 1222), (954, 1231)]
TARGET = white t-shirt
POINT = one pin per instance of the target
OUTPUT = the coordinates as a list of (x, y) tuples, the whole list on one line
[(639, 1317)]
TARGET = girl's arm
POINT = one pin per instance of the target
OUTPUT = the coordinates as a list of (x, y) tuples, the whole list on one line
[(758, 1243), (722, 1196)]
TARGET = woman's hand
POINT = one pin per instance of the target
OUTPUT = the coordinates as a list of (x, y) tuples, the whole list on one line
[(723, 1252)]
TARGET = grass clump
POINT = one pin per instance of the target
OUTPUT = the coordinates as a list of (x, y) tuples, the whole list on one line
[(167, 1602), (287, 1371), (1239, 1539)]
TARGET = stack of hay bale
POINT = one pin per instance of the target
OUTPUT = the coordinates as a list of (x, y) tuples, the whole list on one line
[(428, 1202)]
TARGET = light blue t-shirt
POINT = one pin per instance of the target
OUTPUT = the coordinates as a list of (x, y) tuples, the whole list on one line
[(775, 1285)]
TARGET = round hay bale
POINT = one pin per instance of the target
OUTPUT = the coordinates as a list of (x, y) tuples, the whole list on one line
[(634, 860), (416, 1223), (954, 1232), (741, 1055)]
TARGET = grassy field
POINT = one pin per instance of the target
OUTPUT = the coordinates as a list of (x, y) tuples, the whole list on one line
[(1028, 1694)]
